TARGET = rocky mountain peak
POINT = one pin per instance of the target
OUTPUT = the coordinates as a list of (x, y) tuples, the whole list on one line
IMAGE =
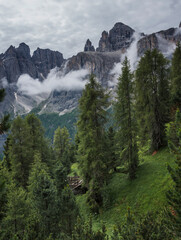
[(23, 50), (118, 38), (89, 47), (46, 59), (11, 51), (180, 25)]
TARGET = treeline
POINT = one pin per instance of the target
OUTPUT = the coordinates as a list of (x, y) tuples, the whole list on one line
[(36, 201)]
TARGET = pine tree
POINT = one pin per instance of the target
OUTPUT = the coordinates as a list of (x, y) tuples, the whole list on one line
[(125, 120), (38, 143), (42, 198), (112, 161), (63, 148), (19, 151), (91, 132), (14, 222), (152, 98), (174, 195), (176, 78)]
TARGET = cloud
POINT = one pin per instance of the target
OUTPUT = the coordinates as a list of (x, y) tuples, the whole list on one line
[(132, 55), (165, 46), (65, 25), (74, 80), (4, 82)]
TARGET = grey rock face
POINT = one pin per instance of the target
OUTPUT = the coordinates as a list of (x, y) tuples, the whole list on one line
[(149, 42), (119, 38), (89, 47), (45, 59), (17, 61), (97, 63)]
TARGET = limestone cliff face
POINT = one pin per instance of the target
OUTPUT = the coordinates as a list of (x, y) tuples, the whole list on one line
[(97, 63), (45, 60), (17, 61), (157, 40), (118, 38)]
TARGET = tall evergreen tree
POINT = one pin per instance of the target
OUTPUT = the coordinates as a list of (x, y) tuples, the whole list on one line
[(19, 151), (125, 119), (174, 195), (152, 97), (176, 78), (91, 132), (38, 143), (42, 198), (14, 221), (63, 150)]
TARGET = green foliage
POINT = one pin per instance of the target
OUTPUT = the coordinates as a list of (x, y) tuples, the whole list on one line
[(174, 194), (148, 227), (125, 120), (14, 221), (152, 98), (83, 230), (19, 152), (42, 198), (176, 78), (91, 133), (145, 194), (51, 121)]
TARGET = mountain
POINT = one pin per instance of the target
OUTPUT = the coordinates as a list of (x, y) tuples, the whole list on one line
[(112, 45), (17, 61)]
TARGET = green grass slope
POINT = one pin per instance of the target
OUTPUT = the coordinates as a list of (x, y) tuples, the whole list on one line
[(145, 193)]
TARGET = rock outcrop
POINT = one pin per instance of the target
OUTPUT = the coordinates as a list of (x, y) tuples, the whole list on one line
[(157, 40), (118, 38), (45, 60), (17, 61), (89, 47), (97, 63)]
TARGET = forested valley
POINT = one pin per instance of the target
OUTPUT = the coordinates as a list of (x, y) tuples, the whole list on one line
[(37, 201)]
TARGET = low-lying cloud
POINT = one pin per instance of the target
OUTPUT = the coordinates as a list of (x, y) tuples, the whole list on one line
[(132, 55), (74, 80), (165, 46)]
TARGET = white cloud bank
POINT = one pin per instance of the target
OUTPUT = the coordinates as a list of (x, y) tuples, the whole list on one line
[(74, 80), (132, 55)]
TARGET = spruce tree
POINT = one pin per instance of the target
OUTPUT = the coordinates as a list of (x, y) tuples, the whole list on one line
[(91, 133), (42, 198), (176, 79), (19, 151), (174, 195), (14, 222), (125, 120), (38, 143), (63, 148), (152, 98)]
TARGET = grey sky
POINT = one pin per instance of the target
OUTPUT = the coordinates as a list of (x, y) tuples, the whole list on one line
[(65, 25)]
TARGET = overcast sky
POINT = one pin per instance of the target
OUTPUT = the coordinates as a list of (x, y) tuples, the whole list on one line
[(65, 25)]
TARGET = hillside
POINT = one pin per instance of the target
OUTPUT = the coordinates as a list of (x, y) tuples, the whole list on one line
[(146, 193)]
